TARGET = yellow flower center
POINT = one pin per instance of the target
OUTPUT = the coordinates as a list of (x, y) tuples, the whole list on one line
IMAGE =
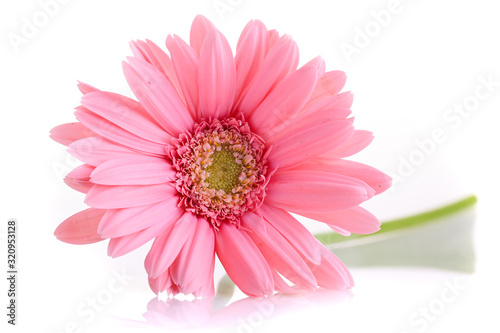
[(224, 172)]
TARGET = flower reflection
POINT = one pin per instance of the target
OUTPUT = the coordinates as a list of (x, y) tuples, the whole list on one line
[(244, 314), (177, 314)]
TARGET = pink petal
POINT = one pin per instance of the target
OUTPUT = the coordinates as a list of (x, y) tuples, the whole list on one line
[(125, 221), (207, 288), (303, 191), (341, 103), (86, 88), (273, 37), (137, 171), (331, 272), (158, 96), (278, 252), (78, 178), (81, 228), (193, 269), (376, 179), (308, 142), (300, 238), (216, 76), (329, 84), (304, 120), (185, 62), (339, 230), (356, 220), (95, 150), (66, 134), (167, 246), (250, 53), (123, 245), (161, 283), (117, 134), (342, 100), (199, 30), (286, 100), (153, 54), (357, 142), (281, 60), (114, 197), (243, 261), (280, 285), (127, 114)]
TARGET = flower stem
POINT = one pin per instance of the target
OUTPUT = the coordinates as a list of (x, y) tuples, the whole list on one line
[(403, 223)]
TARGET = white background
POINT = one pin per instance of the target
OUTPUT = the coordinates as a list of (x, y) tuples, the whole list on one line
[(428, 57)]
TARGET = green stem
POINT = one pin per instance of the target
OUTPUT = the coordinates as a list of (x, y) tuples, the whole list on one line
[(406, 222)]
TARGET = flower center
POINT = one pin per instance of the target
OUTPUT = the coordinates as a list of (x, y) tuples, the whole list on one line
[(224, 172), (221, 169)]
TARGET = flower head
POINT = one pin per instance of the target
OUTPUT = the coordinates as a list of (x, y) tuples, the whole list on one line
[(211, 159)]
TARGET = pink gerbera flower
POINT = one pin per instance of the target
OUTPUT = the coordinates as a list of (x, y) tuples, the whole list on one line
[(212, 158)]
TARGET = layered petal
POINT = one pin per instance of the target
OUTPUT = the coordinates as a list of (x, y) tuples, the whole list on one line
[(302, 191), (193, 270), (216, 77), (168, 245), (199, 30), (331, 273), (330, 84), (122, 245), (96, 150), (250, 53), (300, 238), (273, 37), (308, 142), (116, 134), (114, 197), (126, 221), (304, 120), (140, 170), (66, 134), (280, 285), (86, 88), (153, 54), (376, 179), (359, 140), (353, 220), (162, 283), (126, 114), (278, 252), (79, 178), (185, 62), (158, 96), (81, 228), (282, 59), (243, 261), (286, 100), (339, 102)]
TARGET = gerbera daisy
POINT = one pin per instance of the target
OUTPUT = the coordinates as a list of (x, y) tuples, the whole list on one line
[(212, 158)]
